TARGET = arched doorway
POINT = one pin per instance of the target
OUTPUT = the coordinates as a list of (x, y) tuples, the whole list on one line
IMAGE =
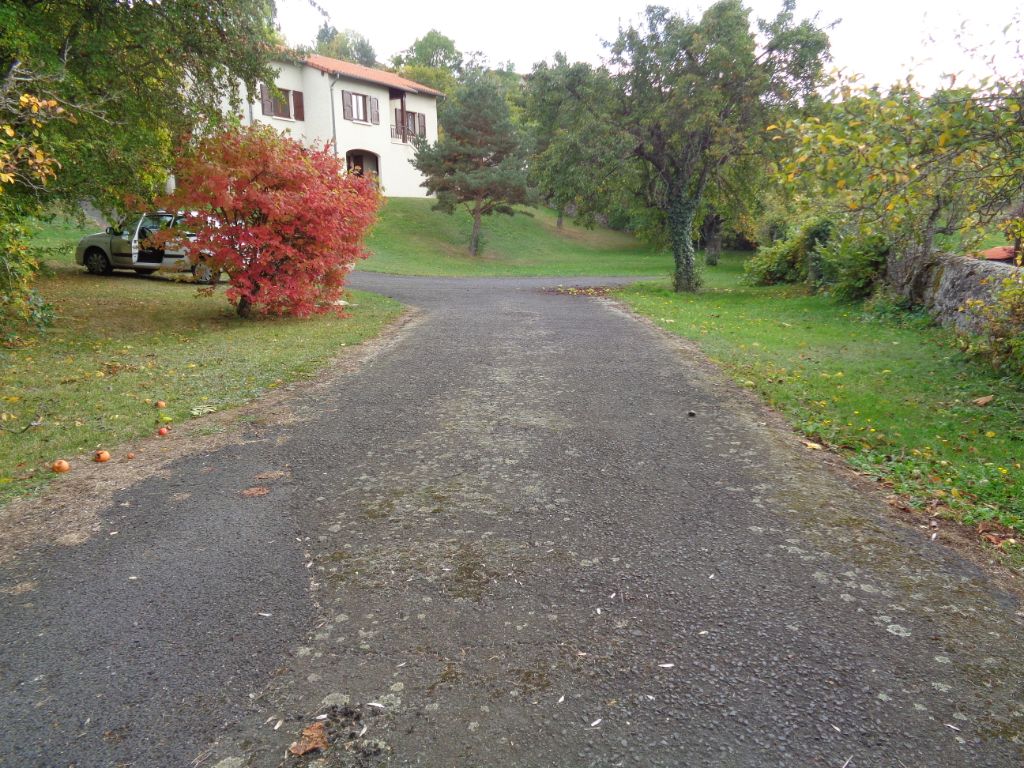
[(360, 161)]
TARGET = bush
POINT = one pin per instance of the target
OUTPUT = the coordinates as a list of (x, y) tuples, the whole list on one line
[(852, 266), (286, 223), (791, 259), (1002, 342), (20, 303)]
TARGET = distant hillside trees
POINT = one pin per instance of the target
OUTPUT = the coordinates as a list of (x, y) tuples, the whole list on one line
[(432, 60), (348, 45)]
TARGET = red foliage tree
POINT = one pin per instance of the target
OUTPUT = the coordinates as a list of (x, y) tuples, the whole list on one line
[(286, 223)]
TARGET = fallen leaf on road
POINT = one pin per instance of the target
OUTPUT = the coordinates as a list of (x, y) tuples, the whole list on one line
[(272, 475), (997, 539), (812, 446), (983, 400), (313, 738), (256, 490)]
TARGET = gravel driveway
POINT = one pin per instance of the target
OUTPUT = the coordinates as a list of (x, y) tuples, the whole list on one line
[(532, 531)]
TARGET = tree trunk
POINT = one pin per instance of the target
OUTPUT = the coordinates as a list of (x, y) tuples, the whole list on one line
[(561, 218), (244, 307), (682, 209), (712, 239), (474, 240)]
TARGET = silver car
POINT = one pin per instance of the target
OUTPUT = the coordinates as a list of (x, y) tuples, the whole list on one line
[(126, 247)]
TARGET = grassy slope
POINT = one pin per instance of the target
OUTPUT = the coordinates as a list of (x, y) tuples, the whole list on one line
[(894, 398), (119, 341), (412, 239)]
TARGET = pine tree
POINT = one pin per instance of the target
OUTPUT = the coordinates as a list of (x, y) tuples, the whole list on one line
[(478, 161)]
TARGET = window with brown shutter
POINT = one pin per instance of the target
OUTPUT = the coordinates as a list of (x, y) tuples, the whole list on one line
[(279, 106), (360, 108), (298, 108), (266, 102), (421, 124)]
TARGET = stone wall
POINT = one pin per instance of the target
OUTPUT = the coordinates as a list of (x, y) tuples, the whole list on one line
[(943, 283)]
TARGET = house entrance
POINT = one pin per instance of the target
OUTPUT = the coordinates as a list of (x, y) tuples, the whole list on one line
[(360, 161)]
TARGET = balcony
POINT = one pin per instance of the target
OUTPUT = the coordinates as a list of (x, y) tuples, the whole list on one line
[(403, 135)]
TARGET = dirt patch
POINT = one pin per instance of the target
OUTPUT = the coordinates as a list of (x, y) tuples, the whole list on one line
[(67, 512)]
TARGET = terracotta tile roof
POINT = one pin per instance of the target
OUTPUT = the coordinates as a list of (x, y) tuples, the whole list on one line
[(359, 72), (999, 253)]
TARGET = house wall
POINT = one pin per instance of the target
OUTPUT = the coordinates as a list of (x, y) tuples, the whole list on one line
[(322, 93)]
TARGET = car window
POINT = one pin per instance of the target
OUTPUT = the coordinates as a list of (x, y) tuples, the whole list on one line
[(156, 221)]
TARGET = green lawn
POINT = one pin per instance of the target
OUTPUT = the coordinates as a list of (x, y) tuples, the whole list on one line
[(890, 392), (121, 342), (412, 239)]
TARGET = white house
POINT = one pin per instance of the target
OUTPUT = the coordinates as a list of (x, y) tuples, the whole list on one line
[(370, 116)]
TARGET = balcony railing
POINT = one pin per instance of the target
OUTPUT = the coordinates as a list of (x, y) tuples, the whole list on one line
[(402, 134)]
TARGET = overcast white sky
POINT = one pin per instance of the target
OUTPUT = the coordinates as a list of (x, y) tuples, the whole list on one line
[(881, 39)]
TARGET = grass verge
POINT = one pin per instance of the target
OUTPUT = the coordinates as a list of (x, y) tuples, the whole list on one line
[(413, 239), (123, 342), (888, 391)]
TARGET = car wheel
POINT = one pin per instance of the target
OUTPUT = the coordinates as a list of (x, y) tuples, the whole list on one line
[(97, 263), (204, 274)]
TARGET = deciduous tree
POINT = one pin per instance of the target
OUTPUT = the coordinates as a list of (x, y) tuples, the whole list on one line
[(908, 166), (133, 76), (695, 95), (574, 158), (432, 50), (286, 223), (27, 165)]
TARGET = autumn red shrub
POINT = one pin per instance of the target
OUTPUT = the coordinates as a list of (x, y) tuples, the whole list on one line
[(284, 222)]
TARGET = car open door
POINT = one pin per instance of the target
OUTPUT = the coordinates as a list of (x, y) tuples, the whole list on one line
[(123, 243)]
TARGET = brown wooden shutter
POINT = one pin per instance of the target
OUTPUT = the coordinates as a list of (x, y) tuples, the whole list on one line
[(298, 109), (421, 124), (398, 118), (266, 102), (374, 111), (346, 104)]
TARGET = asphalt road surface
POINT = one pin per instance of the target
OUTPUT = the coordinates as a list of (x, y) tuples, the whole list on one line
[(504, 541)]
